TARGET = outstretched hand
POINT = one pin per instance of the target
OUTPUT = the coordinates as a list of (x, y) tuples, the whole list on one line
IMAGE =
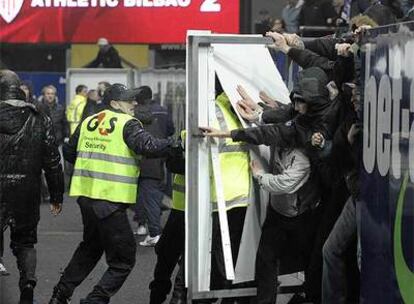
[(317, 140), (256, 168), (246, 112), (353, 132), (246, 99), (343, 49), (247, 108), (280, 42), (268, 100), (55, 208), (211, 132), (294, 40)]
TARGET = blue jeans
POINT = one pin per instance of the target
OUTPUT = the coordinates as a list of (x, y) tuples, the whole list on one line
[(334, 266), (148, 206)]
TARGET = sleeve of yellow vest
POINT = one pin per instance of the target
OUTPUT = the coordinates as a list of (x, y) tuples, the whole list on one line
[(143, 143)]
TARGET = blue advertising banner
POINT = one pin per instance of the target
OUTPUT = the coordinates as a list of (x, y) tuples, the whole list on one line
[(387, 179)]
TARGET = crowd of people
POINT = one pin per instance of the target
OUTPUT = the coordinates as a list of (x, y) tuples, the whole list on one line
[(313, 176), (312, 179), (321, 17)]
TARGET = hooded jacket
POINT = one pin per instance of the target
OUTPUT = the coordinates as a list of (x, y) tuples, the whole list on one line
[(27, 146), (293, 187), (297, 132)]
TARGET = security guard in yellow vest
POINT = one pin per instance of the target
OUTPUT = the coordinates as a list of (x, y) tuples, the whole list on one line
[(236, 177), (235, 171), (76, 106), (105, 149), (170, 247)]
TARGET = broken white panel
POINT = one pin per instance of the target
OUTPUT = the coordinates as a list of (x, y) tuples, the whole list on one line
[(255, 215), (252, 67)]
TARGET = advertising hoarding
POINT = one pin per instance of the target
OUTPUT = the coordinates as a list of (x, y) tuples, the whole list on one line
[(120, 21), (387, 178)]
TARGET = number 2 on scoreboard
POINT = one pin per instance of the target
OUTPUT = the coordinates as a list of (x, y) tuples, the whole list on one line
[(210, 6)]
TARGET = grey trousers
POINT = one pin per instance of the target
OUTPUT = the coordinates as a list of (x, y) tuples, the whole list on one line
[(334, 284)]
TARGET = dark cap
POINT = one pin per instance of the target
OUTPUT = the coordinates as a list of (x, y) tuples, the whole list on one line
[(119, 92)]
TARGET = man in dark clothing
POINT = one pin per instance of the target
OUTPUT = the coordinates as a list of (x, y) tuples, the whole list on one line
[(49, 105), (107, 57), (104, 147), (148, 208), (316, 13), (102, 86), (342, 163), (337, 59), (27, 146), (92, 106), (170, 248), (57, 113), (294, 194), (94, 100)]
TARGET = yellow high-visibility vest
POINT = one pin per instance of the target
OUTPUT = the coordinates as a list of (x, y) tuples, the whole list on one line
[(178, 195), (105, 167), (74, 112), (234, 164), (234, 159)]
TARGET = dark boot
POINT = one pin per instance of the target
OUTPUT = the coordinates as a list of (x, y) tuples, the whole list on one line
[(59, 297), (26, 294), (26, 264), (179, 295)]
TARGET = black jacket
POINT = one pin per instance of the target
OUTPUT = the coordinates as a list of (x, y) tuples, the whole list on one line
[(156, 121), (92, 107), (107, 58), (27, 146), (343, 159), (324, 46), (57, 113), (316, 13), (339, 69)]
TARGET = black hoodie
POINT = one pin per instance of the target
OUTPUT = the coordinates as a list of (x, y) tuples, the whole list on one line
[(297, 132)]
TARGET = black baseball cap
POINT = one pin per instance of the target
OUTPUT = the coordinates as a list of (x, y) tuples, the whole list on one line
[(119, 92)]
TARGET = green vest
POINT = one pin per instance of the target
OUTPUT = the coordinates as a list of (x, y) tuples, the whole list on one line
[(234, 159), (105, 167)]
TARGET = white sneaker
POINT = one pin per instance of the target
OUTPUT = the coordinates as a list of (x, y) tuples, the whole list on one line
[(150, 241), (141, 230), (3, 270)]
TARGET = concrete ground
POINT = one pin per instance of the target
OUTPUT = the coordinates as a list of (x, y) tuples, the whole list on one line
[(58, 238)]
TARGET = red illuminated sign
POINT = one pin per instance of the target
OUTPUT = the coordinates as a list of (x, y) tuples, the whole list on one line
[(120, 21)]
